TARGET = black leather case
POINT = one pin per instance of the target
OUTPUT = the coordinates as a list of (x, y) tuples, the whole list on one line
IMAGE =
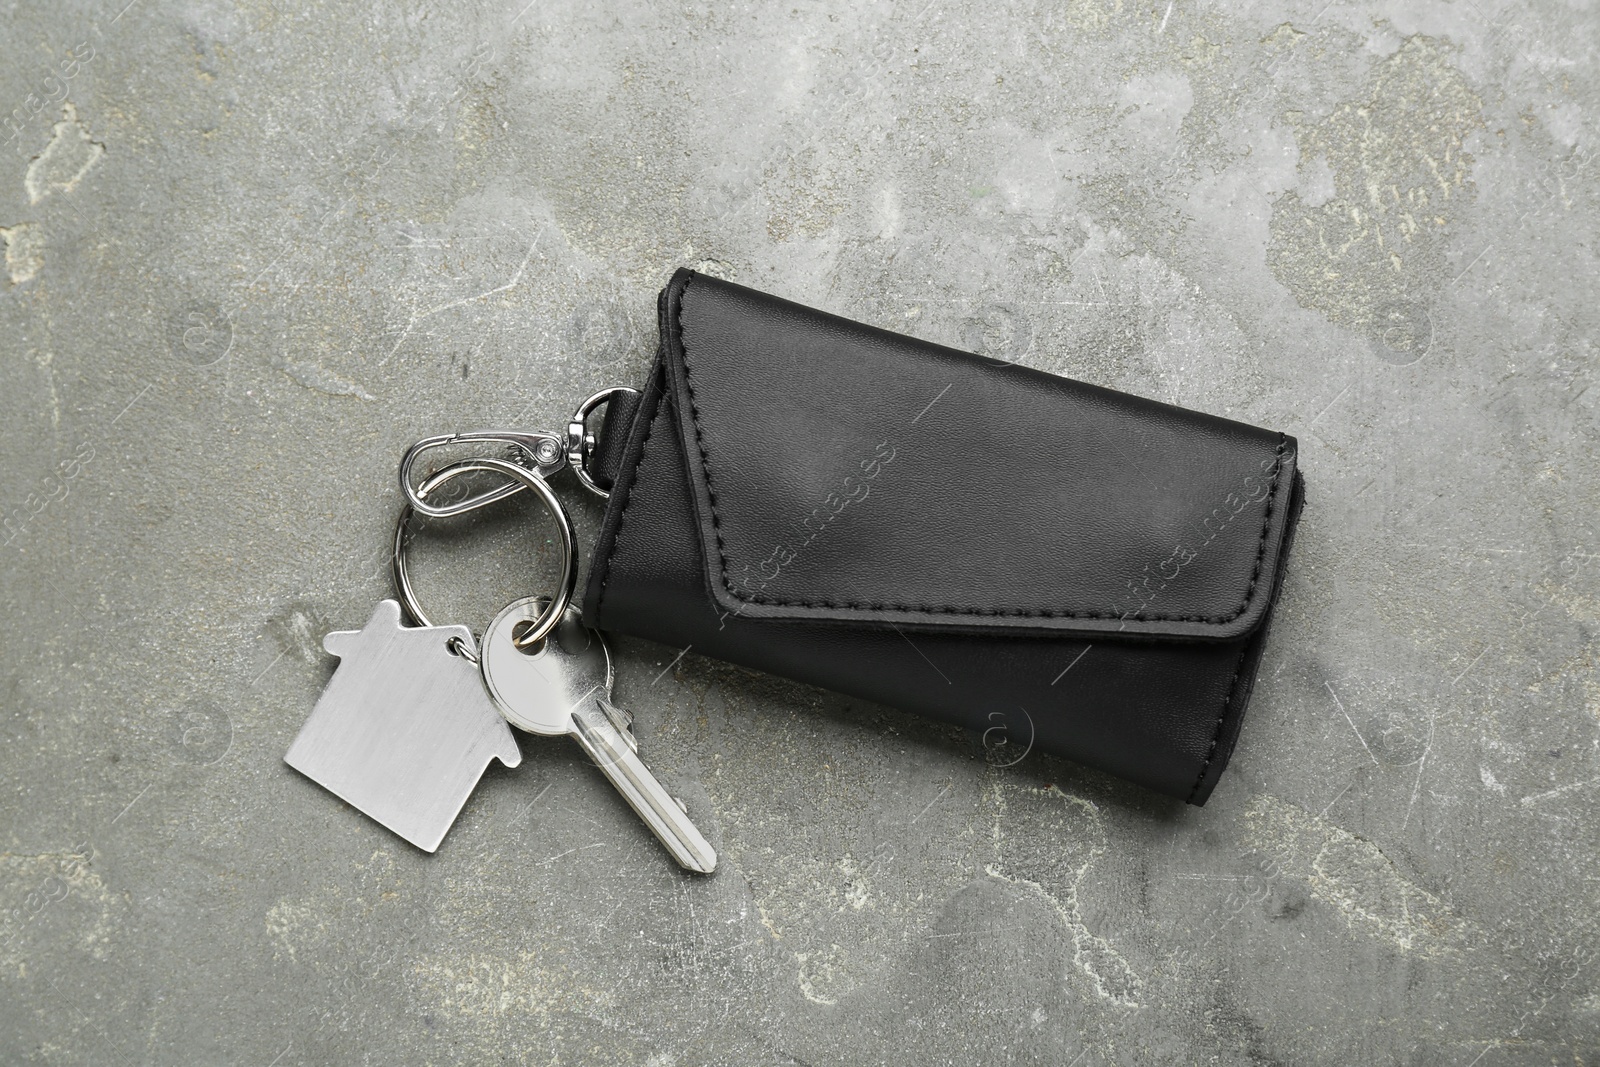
[(1088, 573)]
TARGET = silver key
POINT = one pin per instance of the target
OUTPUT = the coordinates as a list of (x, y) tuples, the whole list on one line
[(564, 688)]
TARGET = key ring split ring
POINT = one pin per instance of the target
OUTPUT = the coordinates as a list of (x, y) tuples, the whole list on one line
[(525, 479)]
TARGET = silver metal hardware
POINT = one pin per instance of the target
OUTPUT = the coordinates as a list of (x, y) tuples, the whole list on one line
[(573, 666), (564, 687), (413, 715), (580, 442), (545, 454), (405, 728), (524, 479)]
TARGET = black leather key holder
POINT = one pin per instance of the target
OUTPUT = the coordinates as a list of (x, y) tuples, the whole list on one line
[(1090, 572)]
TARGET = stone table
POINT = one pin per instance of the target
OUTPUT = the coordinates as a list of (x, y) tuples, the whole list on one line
[(254, 248)]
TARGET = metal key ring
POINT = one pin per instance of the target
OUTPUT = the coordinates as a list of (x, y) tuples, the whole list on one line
[(569, 554)]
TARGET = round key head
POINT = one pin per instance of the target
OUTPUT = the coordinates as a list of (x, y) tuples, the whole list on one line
[(537, 690)]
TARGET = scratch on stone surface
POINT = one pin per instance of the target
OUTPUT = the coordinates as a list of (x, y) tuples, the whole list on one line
[(1546, 795), (322, 380), (411, 323), (929, 806), (69, 156), (44, 359), (1469, 666), (1329, 806), (1422, 763), (1352, 722), (1329, 407), (1353, 875), (1584, 609), (129, 805), (568, 852)]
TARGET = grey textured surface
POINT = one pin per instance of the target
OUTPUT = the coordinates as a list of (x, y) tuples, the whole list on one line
[(253, 249)]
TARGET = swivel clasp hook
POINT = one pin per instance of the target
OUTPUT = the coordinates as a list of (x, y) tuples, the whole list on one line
[(542, 454)]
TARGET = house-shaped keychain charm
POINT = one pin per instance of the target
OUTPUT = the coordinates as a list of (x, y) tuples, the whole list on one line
[(405, 728)]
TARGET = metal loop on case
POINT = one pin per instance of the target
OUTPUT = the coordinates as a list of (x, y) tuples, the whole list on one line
[(580, 440), (523, 479)]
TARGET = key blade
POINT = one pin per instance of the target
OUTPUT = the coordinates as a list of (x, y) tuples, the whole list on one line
[(644, 793), (621, 719)]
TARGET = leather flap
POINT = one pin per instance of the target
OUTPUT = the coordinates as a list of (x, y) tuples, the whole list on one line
[(846, 473)]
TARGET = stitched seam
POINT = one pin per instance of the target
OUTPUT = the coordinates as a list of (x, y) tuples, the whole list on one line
[(622, 516), (700, 444), (1222, 717), (1238, 668), (1048, 613)]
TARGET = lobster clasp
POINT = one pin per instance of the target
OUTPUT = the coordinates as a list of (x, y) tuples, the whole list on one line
[(543, 454)]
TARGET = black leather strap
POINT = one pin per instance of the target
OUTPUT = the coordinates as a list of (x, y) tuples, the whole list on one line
[(981, 543), (611, 439)]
